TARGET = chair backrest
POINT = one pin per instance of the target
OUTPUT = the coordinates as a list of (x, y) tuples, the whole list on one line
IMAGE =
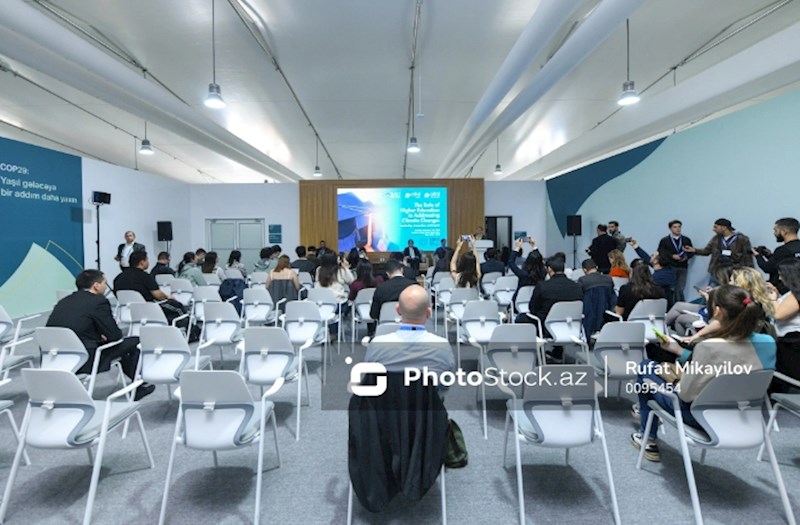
[(60, 294), (233, 273), (653, 313), (619, 344), (513, 348), (504, 289), (305, 279), (479, 320), (523, 300), (257, 305), (164, 278), (386, 328), (164, 354), (216, 408), (281, 289), (222, 323), (729, 409), (488, 281), (326, 300), (258, 279), (212, 279), (619, 282), (144, 314), (561, 407), (268, 354), (389, 313), (443, 287), (182, 290), (61, 349), (60, 408), (363, 302), (302, 321), (564, 321), (124, 299), (202, 295), (5, 322), (459, 297)]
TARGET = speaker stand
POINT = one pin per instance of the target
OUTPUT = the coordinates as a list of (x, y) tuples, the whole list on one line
[(574, 251), (97, 241)]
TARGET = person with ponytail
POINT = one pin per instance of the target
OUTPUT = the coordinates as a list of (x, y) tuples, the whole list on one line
[(187, 269), (734, 343)]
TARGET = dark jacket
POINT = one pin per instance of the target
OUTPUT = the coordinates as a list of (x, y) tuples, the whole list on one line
[(397, 442), (492, 265), (594, 280), (89, 316), (388, 291), (596, 301), (162, 269), (669, 246), (739, 245), (786, 251), (598, 251), (137, 247), (547, 293)]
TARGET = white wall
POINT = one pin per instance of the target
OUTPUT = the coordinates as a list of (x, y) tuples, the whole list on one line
[(275, 203), (138, 201), (526, 202)]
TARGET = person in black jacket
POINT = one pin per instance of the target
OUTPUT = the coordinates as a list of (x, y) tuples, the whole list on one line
[(672, 255), (162, 265), (547, 293), (600, 248), (87, 312), (785, 231), (388, 291), (413, 255)]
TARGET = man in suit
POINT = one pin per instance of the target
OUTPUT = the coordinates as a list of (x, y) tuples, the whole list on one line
[(413, 255), (87, 312), (492, 265), (556, 289), (125, 249), (600, 248), (388, 291)]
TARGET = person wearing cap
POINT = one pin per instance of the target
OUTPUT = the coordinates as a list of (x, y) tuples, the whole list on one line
[(727, 246)]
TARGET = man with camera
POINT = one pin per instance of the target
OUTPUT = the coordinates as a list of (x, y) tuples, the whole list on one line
[(785, 231)]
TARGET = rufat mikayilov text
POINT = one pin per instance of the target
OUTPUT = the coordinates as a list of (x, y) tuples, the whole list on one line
[(689, 367)]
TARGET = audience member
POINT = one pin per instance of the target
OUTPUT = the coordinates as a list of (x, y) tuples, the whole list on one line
[(200, 253), (125, 249), (663, 276), (137, 279), (464, 268), (725, 247), (613, 231), (532, 271), (235, 262), (283, 272), (682, 316), (267, 261), (785, 231), (162, 266), (641, 286), (787, 323), (441, 251), (311, 254), (210, 266), (443, 264), (600, 248), (598, 296), (302, 263), (619, 267), (388, 291), (592, 278), (412, 255), (334, 273), (187, 269), (364, 279), (547, 293), (87, 312), (673, 255), (492, 263)]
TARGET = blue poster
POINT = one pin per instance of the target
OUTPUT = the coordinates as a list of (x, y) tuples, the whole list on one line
[(42, 217)]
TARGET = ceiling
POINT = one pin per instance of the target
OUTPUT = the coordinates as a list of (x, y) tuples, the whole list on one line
[(536, 80)]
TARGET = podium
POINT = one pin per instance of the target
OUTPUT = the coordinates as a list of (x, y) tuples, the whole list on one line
[(481, 246)]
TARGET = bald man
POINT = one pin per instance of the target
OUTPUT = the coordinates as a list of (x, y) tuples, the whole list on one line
[(412, 345)]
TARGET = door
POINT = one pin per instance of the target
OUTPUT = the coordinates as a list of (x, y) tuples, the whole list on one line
[(498, 228), (246, 235)]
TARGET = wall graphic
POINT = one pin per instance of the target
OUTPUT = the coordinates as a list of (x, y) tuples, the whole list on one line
[(42, 218)]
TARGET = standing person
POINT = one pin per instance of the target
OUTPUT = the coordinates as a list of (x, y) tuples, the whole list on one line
[(413, 255), (87, 312), (323, 248), (125, 249), (673, 255), (601, 246), (785, 231), (613, 231), (235, 263), (726, 246), (735, 343), (478, 235), (187, 269), (162, 266)]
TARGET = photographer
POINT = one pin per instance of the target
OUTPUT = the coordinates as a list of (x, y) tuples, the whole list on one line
[(785, 231)]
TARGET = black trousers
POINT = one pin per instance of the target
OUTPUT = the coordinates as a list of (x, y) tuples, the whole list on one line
[(127, 353), (788, 362)]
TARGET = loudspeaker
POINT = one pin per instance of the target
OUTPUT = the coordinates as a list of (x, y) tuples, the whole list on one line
[(574, 225), (164, 230), (98, 197)]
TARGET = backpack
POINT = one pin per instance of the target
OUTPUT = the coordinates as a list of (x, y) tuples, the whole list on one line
[(456, 455), (233, 288)]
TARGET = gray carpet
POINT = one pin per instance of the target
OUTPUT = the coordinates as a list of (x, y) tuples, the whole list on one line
[(312, 483)]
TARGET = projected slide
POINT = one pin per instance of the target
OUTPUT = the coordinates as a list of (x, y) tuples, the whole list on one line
[(385, 219)]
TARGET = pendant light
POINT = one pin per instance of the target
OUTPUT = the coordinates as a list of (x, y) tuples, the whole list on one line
[(146, 148), (498, 170), (317, 171), (629, 95), (214, 98)]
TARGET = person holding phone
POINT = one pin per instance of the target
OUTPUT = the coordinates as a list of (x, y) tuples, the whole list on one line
[(465, 268)]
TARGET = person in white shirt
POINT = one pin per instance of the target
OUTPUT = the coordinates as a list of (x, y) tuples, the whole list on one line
[(125, 249)]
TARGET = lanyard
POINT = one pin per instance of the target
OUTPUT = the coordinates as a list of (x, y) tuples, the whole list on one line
[(678, 245), (727, 244), (413, 327)]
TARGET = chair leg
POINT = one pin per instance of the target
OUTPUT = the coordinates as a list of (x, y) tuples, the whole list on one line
[(16, 434), (483, 397), (611, 487), (566, 456), (703, 457), (505, 441), (520, 491), (89, 453), (299, 394), (770, 409), (15, 465), (275, 436), (350, 505), (144, 440), (171, 462), (260, 464), (98, 464), (687, 465), (645, 438), (770, 427), (216, 459), (787, 507), (444, 497)]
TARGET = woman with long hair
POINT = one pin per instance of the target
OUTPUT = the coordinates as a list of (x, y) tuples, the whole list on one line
[(532, 271), (734, 343), (283, 272), (641, 286), (334, 273), (787, 323), (364, 279), (235, 262), (210, 265), (619, 267), (465, 268), (187, 269)]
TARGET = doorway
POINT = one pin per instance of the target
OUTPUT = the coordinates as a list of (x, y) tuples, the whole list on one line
[(498, 228), (246, 235)]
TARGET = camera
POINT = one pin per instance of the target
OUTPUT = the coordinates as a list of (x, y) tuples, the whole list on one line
[(763, 251), (465, 237), (628, 239)]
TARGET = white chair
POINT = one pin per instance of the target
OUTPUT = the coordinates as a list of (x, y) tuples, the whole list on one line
[(303, 322), (217, 413), (268, 354), (523, 300), (729, 411), (329, 307), (454, 310), (10, 360), (5, 408), (360, 311), (258, 279), (617, 345), (565, 324), (388, 313), (788, 402), (619, 282), (653, 313), (200, 296), (488, 282), (233, 273), (442, 286), (149, 314), (562, 415), (306, 283), (164, 281), (62, 350), (62, 415), (504, 289), (222, 326), (212, 279), (428, 280), (165, 354), (479, 319), (182, 291), (258, 307), (124, 300)]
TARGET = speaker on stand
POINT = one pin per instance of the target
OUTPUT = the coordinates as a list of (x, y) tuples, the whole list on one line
[(574, 230), (165, 232)]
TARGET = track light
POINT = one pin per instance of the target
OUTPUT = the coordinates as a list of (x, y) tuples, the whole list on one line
[(317, 171), (214, 98), (629, 95), (498, 170), (413, 146), (146, 148)]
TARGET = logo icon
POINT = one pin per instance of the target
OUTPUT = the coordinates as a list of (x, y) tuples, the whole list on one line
[(358, 371)]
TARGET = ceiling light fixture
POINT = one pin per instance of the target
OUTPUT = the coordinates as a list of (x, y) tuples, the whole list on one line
[(146, 148), (498, 170), (413, 146), (629, 95), (317, 171), (214, 98)]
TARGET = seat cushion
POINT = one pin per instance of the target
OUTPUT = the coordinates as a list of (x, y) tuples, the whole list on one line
[(790, 401), (120, 411)]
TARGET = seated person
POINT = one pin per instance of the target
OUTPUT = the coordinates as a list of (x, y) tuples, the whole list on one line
[(283, 272), (619, 268), (492, 264), (136, 278), (412, 254), (188, 270), (547, 293), (592, 278), (302, 263), (388, 291), (87, 312), (641, 286), (210, 266), (162, 266)]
